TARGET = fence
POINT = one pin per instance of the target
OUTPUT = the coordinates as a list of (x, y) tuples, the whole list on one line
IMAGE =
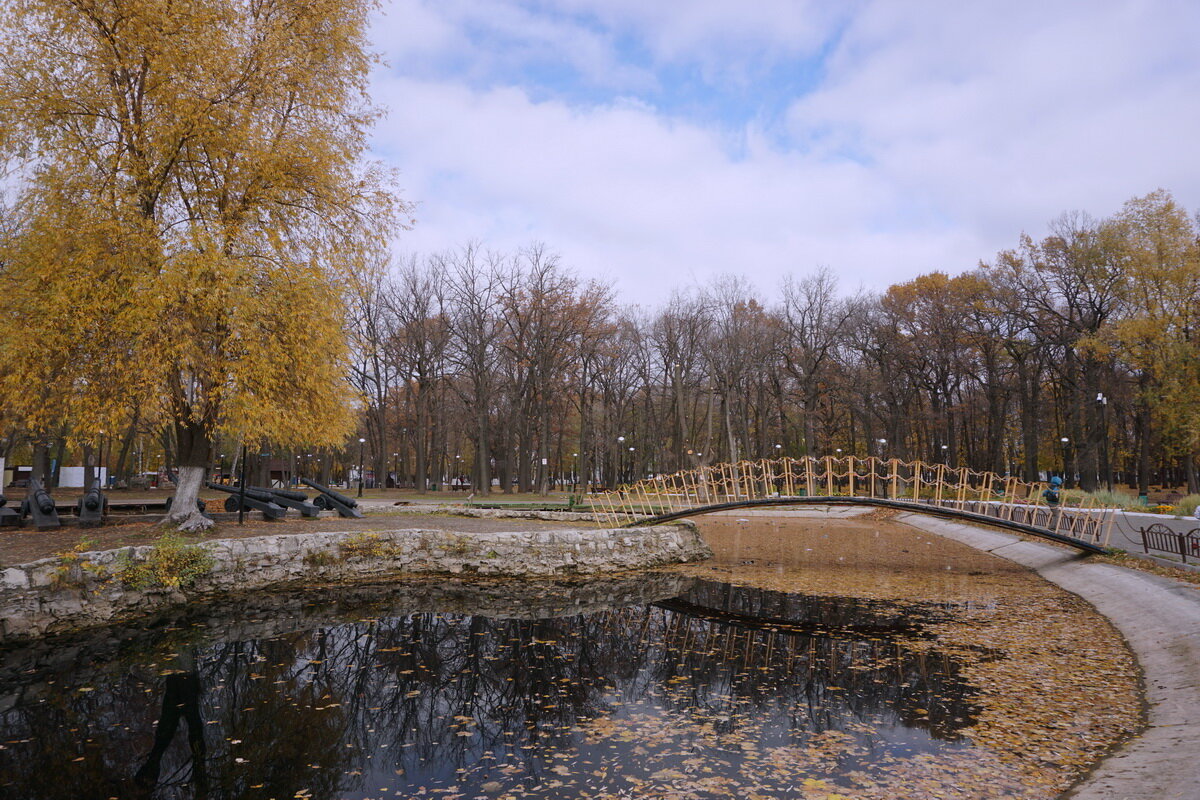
[(1161, 538), (998, 496)]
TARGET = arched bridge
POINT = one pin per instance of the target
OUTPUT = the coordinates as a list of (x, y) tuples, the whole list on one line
[(938, 489)]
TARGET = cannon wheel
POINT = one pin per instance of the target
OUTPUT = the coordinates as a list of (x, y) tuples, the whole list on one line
[(319, 502), (231, 503)]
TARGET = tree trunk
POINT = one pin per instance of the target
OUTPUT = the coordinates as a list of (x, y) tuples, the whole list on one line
[(679, 419), (1143, 455), (524, 450), (544, 453), (122, 473), (421, 439), (41, 462), (583, 466), (1029, 424), (482, 467), (1193, 479), (194, 448)]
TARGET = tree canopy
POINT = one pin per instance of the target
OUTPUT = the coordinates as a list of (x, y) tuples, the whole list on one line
[(192, 208)]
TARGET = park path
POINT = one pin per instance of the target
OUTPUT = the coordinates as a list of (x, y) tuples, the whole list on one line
[(1160, 618)]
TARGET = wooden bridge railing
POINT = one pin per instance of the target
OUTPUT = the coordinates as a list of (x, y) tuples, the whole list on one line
[(1000, 496)]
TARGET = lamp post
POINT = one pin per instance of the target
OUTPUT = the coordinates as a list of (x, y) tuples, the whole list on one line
[(778, 448), (396, 469), (882, 447), (632, 472), (1105, 465), (361, 463), (620, 459)]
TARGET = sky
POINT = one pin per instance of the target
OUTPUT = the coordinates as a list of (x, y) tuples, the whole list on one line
[(657, 144)]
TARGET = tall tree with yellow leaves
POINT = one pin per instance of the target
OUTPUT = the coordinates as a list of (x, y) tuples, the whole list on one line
[(1160, 336), (191, 206)]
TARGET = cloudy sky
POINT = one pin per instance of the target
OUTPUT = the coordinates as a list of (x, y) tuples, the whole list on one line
[(657, 143)]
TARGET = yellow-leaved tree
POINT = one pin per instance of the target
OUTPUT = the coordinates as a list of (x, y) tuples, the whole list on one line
[(1160, 335), (191, 206)]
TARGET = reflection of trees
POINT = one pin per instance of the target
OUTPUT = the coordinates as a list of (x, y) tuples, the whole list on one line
[(426, 694)]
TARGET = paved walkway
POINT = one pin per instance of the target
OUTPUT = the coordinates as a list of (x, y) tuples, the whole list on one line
[(1160, 618)]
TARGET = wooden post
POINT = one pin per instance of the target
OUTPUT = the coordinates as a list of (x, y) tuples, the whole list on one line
[(644, 497)]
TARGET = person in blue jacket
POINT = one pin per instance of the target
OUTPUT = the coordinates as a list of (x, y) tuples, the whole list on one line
[(1053, 498), (1053, 493)]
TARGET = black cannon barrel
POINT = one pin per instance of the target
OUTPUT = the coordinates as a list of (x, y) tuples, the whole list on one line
[(261, 495), (341, 498), (40, 496), (93, 500), (290, 494)]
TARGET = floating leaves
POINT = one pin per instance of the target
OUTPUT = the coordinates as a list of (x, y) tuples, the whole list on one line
[(802, 665)]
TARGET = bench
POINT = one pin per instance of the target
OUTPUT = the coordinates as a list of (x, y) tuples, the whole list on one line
[(1160, 537)]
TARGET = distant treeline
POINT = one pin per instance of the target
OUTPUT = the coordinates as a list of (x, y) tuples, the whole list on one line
[(510, 366), (1079, 350)]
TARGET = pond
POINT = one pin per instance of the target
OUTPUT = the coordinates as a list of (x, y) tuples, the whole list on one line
[(662, 685)]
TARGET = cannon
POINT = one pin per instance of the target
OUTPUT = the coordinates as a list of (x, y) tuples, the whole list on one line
[(287, 498), (290, 494), (92, 508), (255, 499), (39, 506), (8, 516), (328, 498)]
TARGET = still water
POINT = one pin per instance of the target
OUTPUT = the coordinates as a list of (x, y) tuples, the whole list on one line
[(659, 686)]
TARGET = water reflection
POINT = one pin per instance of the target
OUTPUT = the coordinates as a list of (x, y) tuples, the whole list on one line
[(181, 700), (716, 689)]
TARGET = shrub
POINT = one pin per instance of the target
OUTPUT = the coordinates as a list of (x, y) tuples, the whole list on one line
[(366, 545), (1117, 499), (171, 563), (319, 558), (73, 570), (1187, 506)]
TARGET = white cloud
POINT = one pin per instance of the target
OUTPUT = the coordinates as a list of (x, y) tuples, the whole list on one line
[(932, 140), (622, 192)]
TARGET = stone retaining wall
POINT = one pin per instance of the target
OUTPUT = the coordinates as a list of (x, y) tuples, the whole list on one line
[(44, 597)]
